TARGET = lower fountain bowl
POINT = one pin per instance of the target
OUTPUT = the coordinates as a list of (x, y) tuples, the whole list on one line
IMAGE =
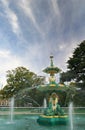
[(52, 120)]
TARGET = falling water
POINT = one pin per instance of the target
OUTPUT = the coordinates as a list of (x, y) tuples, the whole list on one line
[(45, 103), (71, 115), (12, 109)]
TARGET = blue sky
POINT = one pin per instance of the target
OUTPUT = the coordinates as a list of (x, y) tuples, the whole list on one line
[(32, 30)]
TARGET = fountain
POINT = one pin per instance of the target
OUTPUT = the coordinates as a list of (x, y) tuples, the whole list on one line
[(11, 109), (53, 114), (71, 115), (45, 103)]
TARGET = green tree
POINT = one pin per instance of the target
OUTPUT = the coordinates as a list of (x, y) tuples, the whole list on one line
[(66, 76), (19, 80), (76, 66), (26, 96), (79, 99)]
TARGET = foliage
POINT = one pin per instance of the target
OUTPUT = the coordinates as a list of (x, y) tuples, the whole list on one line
[(66, 76), (29, 98), (76, 66), (79, 98), (71, 92), (18, 80)]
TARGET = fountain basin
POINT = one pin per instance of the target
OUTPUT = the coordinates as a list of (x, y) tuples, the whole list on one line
[(52, 120), (29, 122)]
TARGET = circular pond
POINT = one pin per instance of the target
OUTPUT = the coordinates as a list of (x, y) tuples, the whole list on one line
[(29, 122)]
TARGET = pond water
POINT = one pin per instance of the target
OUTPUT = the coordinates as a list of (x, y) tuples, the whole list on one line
[(29, 122)]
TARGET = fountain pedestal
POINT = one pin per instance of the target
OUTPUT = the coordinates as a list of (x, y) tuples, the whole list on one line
[(52, 120), (53, 114)]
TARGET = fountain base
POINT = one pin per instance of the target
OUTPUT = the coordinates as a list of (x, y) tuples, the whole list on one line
[(52, 120)]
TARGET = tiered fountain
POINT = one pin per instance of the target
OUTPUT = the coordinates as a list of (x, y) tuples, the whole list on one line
[(53, 114)]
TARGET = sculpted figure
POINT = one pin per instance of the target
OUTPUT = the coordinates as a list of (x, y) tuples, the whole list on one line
[(53, 107)]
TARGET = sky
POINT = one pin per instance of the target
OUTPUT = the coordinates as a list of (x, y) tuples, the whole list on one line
[(32, 30)]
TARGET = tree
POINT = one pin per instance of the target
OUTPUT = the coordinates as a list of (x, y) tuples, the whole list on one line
[(66, 76), (76, 66), (19, 80), (79, 99)]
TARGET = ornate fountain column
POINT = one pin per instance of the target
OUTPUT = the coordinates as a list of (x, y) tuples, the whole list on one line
[(53, 113)]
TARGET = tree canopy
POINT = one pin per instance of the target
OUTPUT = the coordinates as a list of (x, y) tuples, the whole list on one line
[(76, 66), (20, 79)]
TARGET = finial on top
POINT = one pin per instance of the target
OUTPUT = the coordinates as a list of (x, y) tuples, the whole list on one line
[(52, 70), (51, 57)]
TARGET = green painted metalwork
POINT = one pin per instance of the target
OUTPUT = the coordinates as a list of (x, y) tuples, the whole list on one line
[(53, 114), (52, 85)]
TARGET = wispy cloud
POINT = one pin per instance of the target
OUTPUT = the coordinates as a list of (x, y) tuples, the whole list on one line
[(8, 61), (60, 22), (26, 6), (55, 7), (4, 53), (11, 16)]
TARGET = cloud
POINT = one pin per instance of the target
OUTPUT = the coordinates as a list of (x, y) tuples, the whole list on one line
[(36, 58), (11, 16), (8, 61), (62, 46), (26, 7), (66, 51), (4, 54), (55, 7), (60, 22)]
